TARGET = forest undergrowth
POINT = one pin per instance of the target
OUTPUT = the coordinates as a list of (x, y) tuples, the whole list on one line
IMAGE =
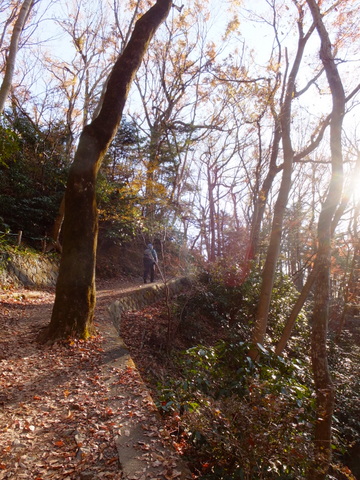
[(226, 416), (229, 417)]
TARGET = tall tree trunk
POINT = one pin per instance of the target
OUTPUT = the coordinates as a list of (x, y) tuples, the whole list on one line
[(56, 229), (13, 49), (268, 274), (295, 312), (290, 322), (262, 196), (212, 219), (74, 305), (323, 384)]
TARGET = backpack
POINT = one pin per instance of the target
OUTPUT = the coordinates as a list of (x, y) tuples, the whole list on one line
[(148, 254)]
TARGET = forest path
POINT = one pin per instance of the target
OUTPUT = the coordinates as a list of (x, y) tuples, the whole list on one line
[(76, 410)]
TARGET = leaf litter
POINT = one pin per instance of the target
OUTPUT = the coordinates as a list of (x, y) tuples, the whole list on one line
[(56, 418)]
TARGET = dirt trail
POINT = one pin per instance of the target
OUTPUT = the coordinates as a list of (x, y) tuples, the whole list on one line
[(76, 410)]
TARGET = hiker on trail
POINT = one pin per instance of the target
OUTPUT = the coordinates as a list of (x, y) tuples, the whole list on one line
[(150, 260)]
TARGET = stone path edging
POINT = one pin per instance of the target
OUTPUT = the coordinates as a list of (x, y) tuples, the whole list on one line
[(147, 294), (142, 455)]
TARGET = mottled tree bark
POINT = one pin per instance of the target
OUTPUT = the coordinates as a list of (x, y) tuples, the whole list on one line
[(323, 385), (74, 305)]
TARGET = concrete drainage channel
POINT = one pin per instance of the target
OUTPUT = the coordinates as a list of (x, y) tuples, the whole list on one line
[(142, 453)]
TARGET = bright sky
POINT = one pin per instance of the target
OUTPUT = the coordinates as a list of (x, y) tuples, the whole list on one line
[(257, 37)]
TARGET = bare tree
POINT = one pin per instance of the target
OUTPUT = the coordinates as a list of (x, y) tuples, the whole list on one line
[(19, 26), (285, 186), (304, 293), (168, 87)]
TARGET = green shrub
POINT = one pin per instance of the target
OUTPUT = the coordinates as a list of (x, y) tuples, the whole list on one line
[(249, 420), (344, 360), (223, 296)]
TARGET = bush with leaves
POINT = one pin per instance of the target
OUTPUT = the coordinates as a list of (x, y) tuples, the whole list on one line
[(33, 171), (231, 407), (246, 420), (225, 297), (216, 295), (344, 360)]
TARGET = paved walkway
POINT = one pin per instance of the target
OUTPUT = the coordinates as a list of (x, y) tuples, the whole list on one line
[(144, 452)]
